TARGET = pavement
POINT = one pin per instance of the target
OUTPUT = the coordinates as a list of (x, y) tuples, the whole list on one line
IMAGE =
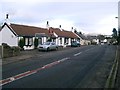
[(26, 55)]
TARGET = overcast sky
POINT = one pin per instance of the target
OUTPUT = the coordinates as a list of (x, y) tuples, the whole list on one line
[(95, 16)]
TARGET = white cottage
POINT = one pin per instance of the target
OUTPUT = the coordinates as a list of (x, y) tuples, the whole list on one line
[(8, 35), (64, 37), (12, 33)]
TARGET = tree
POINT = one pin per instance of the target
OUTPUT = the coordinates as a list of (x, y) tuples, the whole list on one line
[(115, 36), (36, 42), (114, 33)]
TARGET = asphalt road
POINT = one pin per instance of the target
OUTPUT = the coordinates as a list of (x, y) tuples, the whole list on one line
[(81, 67)]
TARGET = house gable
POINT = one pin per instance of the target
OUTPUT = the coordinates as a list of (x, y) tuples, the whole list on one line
[(8, 36), (5, 24)]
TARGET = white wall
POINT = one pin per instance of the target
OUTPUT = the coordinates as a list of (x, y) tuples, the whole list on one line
[(63, 41), (8, 37), (69, 41)]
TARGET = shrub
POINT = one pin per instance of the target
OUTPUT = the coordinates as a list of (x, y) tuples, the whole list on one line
[(10, 51), (36, 42), (16, 50), (7, 51), (21, 43)]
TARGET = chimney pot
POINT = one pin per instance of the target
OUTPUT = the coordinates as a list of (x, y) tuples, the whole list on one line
[(7, 15), (72, 28), (60, 26), (47, 23)]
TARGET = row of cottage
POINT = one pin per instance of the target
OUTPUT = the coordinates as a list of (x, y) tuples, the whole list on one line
[(12, 33)]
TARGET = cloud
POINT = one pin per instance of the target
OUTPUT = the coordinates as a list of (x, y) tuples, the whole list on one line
[(60, 1), (106, 25), (84, 16)]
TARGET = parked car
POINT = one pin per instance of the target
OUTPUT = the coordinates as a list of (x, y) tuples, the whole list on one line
[(48, 46), (75, 44)]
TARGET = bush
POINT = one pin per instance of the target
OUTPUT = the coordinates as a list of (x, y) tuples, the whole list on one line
[(21, 43), (36, 42), (10, 51), (7, 51), (16, 50)]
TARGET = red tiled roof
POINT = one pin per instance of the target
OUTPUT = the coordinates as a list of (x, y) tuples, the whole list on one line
[(23, 30), (63, 33)]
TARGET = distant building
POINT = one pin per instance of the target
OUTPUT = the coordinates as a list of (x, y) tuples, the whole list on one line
[(83, 39), (93, 39)]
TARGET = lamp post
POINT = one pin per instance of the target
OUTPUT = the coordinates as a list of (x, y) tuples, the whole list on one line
[(118, 30)]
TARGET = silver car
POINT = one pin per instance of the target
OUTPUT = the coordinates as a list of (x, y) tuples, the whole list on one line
[(48, 46)]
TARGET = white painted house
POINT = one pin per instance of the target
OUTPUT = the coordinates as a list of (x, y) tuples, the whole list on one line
[(11, 34), (8, 35), (83, 39)]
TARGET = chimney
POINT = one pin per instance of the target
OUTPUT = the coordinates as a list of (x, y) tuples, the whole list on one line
[(7, 19), (60, 28), (47, 25), (72, 29)]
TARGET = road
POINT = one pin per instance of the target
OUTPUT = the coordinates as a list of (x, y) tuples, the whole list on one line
[(81, 67)]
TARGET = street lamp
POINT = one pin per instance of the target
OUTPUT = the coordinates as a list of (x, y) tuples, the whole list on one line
[(118, 30), (118, 27)]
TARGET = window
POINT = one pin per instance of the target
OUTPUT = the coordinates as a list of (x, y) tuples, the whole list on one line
[(28, 41), (66, 40)]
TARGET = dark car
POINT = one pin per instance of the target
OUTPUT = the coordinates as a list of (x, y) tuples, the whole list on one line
[(75, 44)]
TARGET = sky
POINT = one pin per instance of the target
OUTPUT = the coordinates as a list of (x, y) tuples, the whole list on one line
[(87, 16)]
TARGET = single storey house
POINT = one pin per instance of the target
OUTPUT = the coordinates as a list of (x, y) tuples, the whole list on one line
[(83, 39), (64, 37), (12, 33)]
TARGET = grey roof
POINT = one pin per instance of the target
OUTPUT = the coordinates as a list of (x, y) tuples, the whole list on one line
[(82, 36)]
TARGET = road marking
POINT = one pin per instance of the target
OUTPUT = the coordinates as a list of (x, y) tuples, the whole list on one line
[(25, 74), (77, 54), (63, 59), (11, 79)]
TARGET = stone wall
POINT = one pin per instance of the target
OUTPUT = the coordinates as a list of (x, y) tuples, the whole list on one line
[(10, 51)]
